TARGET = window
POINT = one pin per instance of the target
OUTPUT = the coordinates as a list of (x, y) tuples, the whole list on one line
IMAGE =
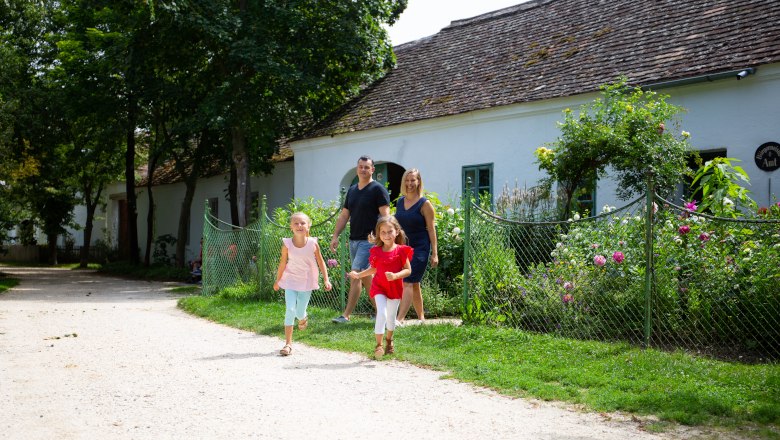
[(585, 199), (479, 178), (254, 206), (214, 206)]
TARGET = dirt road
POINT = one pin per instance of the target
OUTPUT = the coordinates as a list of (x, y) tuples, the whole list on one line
[(91, 357)]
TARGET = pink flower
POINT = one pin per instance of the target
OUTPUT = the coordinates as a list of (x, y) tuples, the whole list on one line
[(691, 206), (661, 128), (567, 298), (618, 257), (568, 285), (704, 236), (599, 260), (684, 229), (594, 246), (333, 262)]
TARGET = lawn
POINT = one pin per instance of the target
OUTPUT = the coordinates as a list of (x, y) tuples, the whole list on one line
[(597, 376)]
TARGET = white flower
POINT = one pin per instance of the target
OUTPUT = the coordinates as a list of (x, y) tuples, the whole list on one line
[(727, 202), (685, 134), (456, 230), (576, 216), (605, 209), (678, 240), (669, 224), (624, 221), (559, 245), (450, 211)]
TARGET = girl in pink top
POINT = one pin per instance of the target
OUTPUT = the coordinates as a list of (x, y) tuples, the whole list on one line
[(389, 261), (298, 276)]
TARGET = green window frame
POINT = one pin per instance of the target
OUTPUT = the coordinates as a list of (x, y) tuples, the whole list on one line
[(481, 177)]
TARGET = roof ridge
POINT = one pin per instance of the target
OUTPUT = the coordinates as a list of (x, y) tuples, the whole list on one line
[(498, 13)]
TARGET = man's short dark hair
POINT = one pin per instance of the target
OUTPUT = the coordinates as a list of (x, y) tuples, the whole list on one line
[(366, 158)]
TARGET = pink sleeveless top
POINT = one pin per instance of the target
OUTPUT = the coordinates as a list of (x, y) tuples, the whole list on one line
[(301, 272)]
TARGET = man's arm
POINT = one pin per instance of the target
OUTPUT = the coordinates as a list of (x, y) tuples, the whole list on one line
[(384, 211), (341, 223)]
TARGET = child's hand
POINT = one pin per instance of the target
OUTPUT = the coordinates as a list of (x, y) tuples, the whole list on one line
[(328, 286), (276, 286), (353, 275), (390, 276)]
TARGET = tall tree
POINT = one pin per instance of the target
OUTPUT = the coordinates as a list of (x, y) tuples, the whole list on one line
[(279, 64)]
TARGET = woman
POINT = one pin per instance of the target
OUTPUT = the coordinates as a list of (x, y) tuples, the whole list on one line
[(417, 218)]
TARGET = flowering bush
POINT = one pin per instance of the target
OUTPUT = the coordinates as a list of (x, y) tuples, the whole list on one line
[(715, 282)]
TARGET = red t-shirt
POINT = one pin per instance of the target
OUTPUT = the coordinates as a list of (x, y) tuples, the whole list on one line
[(392, 261)]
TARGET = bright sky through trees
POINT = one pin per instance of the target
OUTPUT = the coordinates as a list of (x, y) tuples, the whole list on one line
[(427, 17)]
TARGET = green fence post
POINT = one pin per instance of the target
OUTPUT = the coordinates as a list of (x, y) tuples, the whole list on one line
[(466, 243), (261, 257), (205, 276), (648, 259), (343, 253)]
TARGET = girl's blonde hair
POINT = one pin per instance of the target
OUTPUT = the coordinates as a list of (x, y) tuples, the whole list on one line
[(305, 217), (419, 179), (374, 236)]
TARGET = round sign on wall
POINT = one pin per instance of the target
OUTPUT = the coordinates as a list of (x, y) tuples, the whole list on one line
[(768, 156)]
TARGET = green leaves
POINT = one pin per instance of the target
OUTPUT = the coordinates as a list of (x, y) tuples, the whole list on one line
[(719, 181), (626, 129)]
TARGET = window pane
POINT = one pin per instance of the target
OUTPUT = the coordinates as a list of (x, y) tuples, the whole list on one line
[(471, 175), (484, 178)]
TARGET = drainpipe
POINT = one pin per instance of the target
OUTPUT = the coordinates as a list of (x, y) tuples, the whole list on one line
[(738, 74)]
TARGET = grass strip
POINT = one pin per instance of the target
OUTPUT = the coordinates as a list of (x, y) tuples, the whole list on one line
[(7, 283), (605, 377)]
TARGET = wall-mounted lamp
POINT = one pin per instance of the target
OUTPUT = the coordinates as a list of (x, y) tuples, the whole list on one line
[(744, 73)]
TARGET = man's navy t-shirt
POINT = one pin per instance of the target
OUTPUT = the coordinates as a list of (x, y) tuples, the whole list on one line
[(363, 206)]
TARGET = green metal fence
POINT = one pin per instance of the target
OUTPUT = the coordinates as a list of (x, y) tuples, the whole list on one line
[(710, 284), (233, 255)]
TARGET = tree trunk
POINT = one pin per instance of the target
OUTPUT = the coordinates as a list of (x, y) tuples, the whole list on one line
[(132, 210), (89, 225), (184, 219), (241, 161), (150, 215), (232, 194), (52, 238)]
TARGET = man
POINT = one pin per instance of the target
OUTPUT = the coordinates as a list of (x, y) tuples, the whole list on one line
[(366, 201)]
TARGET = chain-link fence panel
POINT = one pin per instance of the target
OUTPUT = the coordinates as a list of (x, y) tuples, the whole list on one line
[(717, 282), (582, 278), (234, 256), (711, 284)]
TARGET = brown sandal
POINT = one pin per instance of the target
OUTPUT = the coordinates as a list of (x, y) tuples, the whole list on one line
[(389, 348), (303, 323), (286, 350), (379, 352)]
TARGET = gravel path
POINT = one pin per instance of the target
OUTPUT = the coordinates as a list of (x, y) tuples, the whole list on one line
[(93, 357)]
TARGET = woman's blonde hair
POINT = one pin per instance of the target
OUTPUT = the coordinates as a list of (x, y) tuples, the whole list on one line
[(419, 179), (374, 236), (305, 217)]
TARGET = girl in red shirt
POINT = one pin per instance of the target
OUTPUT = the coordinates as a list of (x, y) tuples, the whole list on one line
[(389, 263)]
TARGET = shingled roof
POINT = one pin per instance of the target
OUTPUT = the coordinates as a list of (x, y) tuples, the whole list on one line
[(554, 48)]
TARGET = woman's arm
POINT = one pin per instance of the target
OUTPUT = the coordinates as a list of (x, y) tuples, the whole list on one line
[(430, 224), (282, 266), (323, 268)]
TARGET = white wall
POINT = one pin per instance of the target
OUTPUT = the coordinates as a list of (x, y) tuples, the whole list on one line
[(738, 115), (278, 188)]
